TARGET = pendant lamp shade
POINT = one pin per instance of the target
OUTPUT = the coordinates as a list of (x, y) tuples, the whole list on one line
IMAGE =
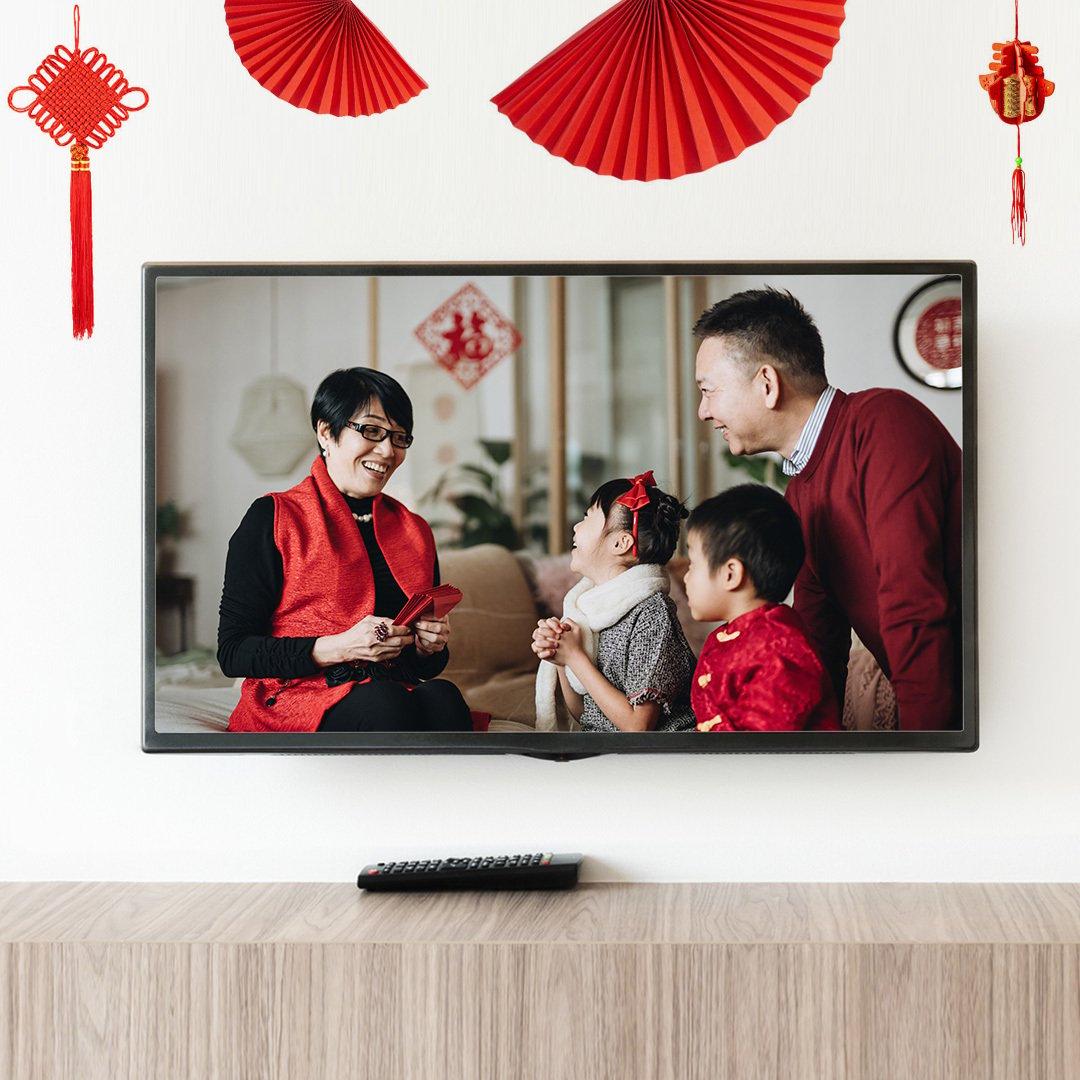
[(321, 55), (655, 89), (273, 431)]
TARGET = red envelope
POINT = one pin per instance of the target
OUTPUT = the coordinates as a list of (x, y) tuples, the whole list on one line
[(430, 603)]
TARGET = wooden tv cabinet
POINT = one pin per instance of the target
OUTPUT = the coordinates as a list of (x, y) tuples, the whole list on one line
[(619, 981)]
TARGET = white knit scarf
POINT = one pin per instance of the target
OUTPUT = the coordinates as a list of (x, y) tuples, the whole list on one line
[(595, 608)]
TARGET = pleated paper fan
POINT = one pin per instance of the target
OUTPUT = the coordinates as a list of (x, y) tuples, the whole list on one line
[(321, 55), (655, 89)]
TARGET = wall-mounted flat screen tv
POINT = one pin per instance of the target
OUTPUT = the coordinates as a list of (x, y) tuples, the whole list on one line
[(560, 510)]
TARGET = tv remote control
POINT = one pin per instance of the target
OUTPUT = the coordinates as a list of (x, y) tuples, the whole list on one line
[(542, 870)]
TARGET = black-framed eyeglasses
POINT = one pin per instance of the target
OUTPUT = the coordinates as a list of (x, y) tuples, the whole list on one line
[(375, 433)]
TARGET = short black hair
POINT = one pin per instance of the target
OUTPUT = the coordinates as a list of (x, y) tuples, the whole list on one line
[(771, 323), (754, 524), (346, 391), (659, 523)]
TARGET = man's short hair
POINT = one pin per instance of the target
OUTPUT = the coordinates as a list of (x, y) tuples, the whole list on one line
[(754, 524), (773, 324)]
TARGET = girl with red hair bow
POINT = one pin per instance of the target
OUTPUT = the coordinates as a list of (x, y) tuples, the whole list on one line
[(618, 655)]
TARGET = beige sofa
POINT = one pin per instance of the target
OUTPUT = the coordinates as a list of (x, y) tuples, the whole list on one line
[(491, 659)]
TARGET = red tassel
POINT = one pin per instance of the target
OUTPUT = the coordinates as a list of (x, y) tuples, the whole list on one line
[(82, 244), (1019, 204), (1019, 197)]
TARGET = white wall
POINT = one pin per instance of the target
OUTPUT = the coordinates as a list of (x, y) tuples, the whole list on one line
[(895, 155)]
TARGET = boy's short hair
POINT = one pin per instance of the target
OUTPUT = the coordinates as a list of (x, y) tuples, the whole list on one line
[(754, 524)]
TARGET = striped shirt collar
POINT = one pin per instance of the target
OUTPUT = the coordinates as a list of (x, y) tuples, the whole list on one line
[(795, 464)]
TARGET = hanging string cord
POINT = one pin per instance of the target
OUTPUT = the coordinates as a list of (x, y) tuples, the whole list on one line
[(1019, 182), (76, 29)]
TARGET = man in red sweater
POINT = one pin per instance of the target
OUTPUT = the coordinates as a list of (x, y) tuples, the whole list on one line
[(876, 483)]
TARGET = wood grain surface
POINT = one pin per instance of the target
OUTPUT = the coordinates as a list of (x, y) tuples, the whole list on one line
[(607, 981)]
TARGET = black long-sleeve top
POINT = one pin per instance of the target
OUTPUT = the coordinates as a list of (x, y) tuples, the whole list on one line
[(254, 580)]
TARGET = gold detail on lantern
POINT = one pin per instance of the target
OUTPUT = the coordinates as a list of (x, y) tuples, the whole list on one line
[(80, 158), (1011, 98), (1011, 102)]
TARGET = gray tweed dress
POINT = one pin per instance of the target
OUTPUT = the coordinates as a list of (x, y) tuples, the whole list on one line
[(646, 656)]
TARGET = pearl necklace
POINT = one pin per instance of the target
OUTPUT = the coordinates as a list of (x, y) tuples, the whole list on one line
[(363, 519)]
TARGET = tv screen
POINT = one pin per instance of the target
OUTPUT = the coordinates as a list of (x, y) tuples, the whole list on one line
[(560, 510)]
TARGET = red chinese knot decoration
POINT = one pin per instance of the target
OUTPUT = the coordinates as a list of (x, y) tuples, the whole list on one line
[(655, 89), (322, 55), (1017, 92), (79, 99), (468, 335)]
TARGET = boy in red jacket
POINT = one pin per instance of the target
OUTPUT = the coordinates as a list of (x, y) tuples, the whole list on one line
[(759, 671)]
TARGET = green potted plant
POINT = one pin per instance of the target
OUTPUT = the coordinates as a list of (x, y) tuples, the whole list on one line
[(761, 468), (475, 492)]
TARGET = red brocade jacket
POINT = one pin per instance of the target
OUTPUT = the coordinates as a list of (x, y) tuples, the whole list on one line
[(760, 673), (328, 587)]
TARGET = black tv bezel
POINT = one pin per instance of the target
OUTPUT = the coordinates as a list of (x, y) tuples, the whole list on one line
[(573, 745)]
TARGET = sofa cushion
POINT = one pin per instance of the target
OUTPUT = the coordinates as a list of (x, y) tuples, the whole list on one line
[(491, 658)]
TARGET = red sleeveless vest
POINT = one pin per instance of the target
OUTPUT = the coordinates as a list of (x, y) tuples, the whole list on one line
[(328, 586)]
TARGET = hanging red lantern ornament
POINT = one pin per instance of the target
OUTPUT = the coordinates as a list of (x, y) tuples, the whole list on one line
[(79, 99), (655, 89), (325, 56), (1017, 92)]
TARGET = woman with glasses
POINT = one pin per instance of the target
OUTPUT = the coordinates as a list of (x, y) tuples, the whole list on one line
[(314, 577)]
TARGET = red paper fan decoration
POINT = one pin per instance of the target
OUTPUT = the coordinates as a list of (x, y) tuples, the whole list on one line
[(321, 55), (654, 89), (79, 99)]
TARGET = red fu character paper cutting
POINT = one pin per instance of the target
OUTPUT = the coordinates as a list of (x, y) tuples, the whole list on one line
[(468, 335), (79, 99), (1017, 92)]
